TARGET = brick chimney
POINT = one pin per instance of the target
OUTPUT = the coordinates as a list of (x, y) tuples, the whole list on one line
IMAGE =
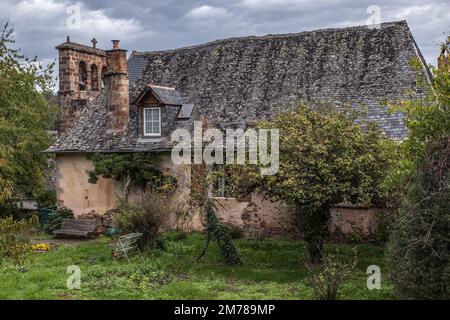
[(116, 86)]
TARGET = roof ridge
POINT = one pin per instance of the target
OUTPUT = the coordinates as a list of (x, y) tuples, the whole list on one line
[(162, 87), (267, 36)]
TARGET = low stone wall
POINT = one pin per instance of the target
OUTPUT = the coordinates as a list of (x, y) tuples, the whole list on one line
[(353, 222), (258, 217)]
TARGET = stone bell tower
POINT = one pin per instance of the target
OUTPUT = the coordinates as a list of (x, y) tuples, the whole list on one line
[(81, 70)]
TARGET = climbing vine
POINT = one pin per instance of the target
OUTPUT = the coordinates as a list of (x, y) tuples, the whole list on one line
[(219, 233), (132, 169)]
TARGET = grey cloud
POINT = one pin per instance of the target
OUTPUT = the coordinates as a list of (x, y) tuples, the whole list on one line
[(155, 25)]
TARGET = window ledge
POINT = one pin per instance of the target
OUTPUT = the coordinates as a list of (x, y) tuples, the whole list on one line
[(148, 140)]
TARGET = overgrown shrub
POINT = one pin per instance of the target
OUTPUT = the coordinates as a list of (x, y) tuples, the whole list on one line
[(15, 246), (55, 218), (146, 216), (385, 223), (46, 199), (10, 209), (328, 279), (420, 244)]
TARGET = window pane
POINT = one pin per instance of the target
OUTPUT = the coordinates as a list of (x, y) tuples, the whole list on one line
[(156, 115), (152, 121)]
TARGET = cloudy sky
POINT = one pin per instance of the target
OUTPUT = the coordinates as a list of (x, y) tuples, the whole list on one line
[(40, 25)]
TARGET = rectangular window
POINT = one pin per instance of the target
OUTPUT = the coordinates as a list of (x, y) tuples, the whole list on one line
[(152, 121)]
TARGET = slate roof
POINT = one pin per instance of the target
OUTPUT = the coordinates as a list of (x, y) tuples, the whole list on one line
[(235, 81), (165, 95)]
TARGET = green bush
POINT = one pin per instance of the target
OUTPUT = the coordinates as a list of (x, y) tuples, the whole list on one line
[(146, 216), (55, 218), (328, 279), (46, 199), (420, 244), (15, 245), (10, 209)]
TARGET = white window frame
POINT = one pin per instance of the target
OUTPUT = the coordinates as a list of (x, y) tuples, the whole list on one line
[(145, 122)]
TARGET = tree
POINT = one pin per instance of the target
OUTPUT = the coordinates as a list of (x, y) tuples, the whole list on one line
[(419, 248), (132, 169), (325, 159), (25, 117)]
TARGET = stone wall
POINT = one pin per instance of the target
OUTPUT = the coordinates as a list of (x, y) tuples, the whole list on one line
[(75, 192), (255, 216)]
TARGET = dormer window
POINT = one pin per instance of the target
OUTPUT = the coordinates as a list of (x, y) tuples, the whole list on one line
[(156, 104), (152, 121)]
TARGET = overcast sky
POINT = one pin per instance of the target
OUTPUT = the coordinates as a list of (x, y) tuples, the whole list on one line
[(141, 25)]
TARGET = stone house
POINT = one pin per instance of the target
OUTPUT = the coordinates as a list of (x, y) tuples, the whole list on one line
[(113, 104)]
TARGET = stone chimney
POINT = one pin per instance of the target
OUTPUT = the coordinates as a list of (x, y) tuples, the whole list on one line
[(116, 86)]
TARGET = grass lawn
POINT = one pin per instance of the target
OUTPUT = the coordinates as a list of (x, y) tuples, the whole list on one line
[(272, 269)]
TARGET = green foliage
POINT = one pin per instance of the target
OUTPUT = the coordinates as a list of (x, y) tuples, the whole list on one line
[(15, 246), (146, 217), (25, 117), (419, 246), (132, 169), (326, 158), (46, 199), (234, 231), (427, 120), (55, 218), (174, 235), (10, 209), (329, 278), (420, 243), (221, 235)]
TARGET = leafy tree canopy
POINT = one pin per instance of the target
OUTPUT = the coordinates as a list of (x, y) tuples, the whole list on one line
[(427, 120), (25, 117), (325, 159), (419, 247)]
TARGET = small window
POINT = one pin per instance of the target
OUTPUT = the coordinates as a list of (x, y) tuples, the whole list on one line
[(82, 76), (152, 121), (94, 78)]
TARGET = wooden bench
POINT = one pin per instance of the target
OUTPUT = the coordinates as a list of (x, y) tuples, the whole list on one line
[(126, 245), (76, 227)]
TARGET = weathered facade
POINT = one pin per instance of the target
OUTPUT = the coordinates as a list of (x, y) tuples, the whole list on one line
[(231, 82)]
